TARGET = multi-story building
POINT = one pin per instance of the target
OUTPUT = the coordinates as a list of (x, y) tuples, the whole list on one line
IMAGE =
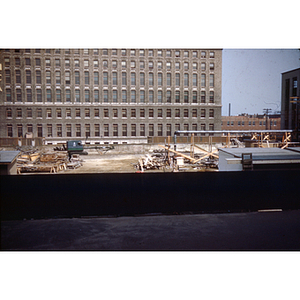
[(109, 95), (290, 101), (251, 122)]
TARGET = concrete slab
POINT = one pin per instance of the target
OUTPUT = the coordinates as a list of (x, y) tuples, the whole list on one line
[(274, 230)]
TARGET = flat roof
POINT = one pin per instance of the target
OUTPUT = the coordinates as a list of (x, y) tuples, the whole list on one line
[(7, 157), (264, 153)]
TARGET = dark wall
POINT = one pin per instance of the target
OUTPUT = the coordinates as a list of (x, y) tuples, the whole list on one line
[(58, 195)]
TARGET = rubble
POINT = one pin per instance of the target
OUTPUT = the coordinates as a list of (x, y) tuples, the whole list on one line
[(39, 161)]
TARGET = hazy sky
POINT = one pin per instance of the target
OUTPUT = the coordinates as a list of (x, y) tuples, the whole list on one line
[(251, 78)]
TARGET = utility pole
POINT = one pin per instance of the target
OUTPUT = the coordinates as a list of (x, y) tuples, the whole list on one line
[(266, 111)]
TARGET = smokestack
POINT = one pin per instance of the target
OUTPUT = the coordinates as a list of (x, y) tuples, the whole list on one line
[(229, 109)]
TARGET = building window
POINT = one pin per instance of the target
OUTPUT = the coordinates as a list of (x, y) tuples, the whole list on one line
[(87, 96), (97, 113), (177, 113), (8, 113), (159, 79), (19, 113), (115, 78), (114, 64), (77, 77), (132, 64), (186, 79), (203, 113), (115, 96), (58, 113), (19, 95), (159, 97), (49, 113), (159, 113), (48, 62), (123, 52), (142, 64), (58, 95), (68, 112), (96, 78), (133, 96), (69, 130), (211, 66), (7, 76), (68, 96), (48, 77), (57, 62), (57, 77), (124, 78), (106, 113), (151, 96), (177, 96), (97, 129), (105, 96), (142, 130), (195, 97), (211, 54), (142, 96), (211, 97), (150, 64), (169, 114), (177, 53), (39, 113), (211, 113), (168, 79), (186, 97), (159, 129), (28, 76), (132, 52), (151, 113), (105, 78), (77, 96), (27, 61), (124, 129), (195, 79), (78, 130), (96, 96), (49, 95), (151, 129), (59, 130), (133, 79), (150, 52), (8, 95), (67, 63), (18, 76), (177, 79), (20, 130), (159, 65), (203, 54), (86, 77), (142, 113), (194, 127), (151, 79), (211, 80), (28, 95), (124, 113), (133, 129), (142, 79), (115, 130), (194, 113), (185, 113), (9, 130), (202, 96), (169, 100), (133, 113), (203, 80), (124, 96), (77, 113)]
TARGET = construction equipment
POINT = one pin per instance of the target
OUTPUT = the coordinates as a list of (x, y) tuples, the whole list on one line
[(77, 147)]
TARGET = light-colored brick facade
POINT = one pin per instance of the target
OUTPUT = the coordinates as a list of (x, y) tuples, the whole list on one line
[(109, 95)]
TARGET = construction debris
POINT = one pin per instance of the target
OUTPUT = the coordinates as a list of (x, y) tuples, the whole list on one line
[(38, 161)]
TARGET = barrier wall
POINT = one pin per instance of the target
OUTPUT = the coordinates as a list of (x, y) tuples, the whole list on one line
[(51, 196)]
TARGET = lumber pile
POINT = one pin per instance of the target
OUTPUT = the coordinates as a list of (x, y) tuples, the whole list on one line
[(149, 163), (37, 161)]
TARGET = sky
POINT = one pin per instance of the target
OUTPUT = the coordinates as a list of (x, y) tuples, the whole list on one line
[(251, 78)]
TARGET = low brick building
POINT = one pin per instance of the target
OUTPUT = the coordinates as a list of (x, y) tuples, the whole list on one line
[(251, 122)]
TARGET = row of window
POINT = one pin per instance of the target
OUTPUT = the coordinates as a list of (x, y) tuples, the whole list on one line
[(114, 113), (124, 52), (114, 64), (107, 96), (87, 130), (250, 123), (114, 77)]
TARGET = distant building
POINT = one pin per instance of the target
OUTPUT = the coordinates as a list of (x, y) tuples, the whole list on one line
[(109, 95), (290, 102), (251, 122)]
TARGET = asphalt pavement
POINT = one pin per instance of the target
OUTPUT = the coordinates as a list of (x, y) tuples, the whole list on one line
[(271, 230)]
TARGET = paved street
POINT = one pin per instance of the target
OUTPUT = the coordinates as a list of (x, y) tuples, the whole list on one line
[(232, 231)]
